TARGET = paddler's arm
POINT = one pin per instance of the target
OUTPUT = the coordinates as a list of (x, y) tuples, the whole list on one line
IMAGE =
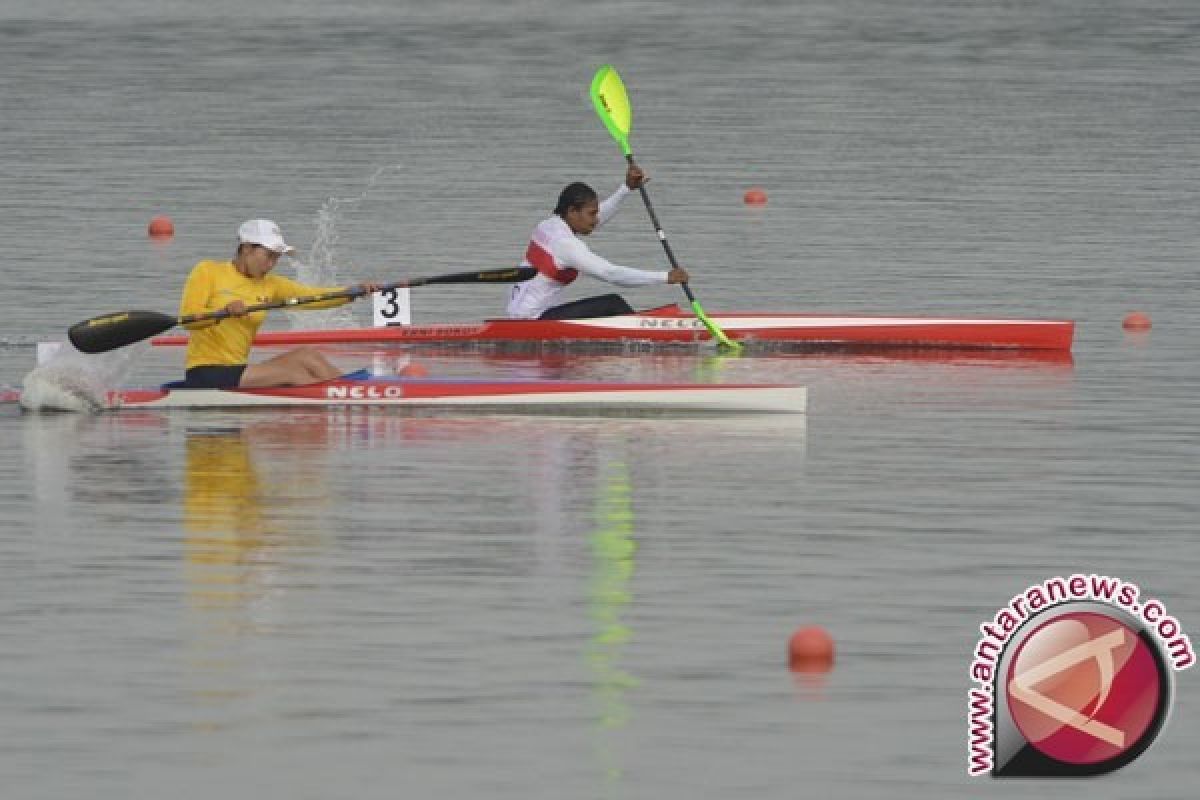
[(634, 177), (570, 252), (196, 293), (286, 289)]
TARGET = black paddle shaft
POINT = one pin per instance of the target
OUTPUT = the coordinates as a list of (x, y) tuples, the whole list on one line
[(110, 331), (662, 236)]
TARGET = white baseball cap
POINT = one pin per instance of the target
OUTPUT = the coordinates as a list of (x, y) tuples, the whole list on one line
[(264, 232)]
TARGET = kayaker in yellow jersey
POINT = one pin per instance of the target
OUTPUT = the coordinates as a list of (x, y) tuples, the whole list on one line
[(218, 352)]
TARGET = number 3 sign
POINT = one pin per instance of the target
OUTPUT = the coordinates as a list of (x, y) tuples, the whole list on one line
[(391, 308)]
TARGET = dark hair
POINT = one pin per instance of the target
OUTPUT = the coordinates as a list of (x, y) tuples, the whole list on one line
[(575, 195)]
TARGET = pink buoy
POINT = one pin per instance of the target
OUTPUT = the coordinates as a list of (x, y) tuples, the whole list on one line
[(161, 227), (810, 649), (1136, 321), (755, 197)]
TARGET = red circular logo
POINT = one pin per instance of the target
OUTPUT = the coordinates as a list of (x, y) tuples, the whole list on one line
[(1084, 688)]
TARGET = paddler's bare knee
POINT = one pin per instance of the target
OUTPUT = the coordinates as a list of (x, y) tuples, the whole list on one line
[(308, 355), (315, 364), (293, 368)]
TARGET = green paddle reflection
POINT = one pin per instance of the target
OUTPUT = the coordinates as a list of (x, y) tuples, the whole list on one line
[(613, 547)]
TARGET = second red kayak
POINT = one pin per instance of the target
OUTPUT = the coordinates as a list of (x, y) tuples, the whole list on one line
[(670, 324)]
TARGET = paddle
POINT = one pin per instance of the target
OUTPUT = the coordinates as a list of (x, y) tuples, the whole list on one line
[(108, 332), (612, 106)]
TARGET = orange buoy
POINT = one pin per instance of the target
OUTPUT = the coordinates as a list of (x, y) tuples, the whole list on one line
[(755, 197), (810, 650), (1136, 321), (161, 227), (414, 369)]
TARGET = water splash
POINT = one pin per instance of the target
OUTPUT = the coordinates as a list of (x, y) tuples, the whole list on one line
[(319, 269), (72, 381)]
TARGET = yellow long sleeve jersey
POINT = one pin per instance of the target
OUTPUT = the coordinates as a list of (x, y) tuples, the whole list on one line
[(211, 286)]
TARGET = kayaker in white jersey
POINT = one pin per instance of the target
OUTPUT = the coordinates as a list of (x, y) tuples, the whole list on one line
[(558, 254)]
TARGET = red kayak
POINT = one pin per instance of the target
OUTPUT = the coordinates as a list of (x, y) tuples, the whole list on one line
[(669, 324)]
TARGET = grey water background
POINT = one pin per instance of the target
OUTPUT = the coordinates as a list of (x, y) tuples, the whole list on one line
[(316, 605)]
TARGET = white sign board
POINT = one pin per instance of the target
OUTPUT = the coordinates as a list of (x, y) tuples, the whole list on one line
[(391, 308)]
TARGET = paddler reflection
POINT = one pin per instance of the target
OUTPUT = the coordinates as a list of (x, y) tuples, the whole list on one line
[(251, 493), (222, 515)]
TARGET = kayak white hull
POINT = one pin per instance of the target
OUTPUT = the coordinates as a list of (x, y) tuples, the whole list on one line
[(531, 396)]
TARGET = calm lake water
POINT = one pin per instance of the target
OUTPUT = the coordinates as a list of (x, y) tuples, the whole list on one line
[(361, 605)]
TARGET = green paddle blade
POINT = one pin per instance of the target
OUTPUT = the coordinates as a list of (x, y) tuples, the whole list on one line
[(612, 105), (100, 334), (723, 341)]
